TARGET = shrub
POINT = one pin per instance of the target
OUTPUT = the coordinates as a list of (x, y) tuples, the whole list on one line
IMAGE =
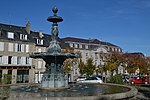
[(117, 79), (6, 79)]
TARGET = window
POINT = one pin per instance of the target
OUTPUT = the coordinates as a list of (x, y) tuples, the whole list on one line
[(39, 64), (9, 59), (27, 60), (19, 48), (39, 41), (1, 46), (86, 54), (110, 49), (78, 45), (10, 35), (18, 60), (10, 47), (23, 37)]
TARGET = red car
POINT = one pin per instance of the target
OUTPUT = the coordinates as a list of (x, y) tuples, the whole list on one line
[(139, 80)]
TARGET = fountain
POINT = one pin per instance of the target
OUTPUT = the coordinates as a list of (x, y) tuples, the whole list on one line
[(54, 85), (54, 75)]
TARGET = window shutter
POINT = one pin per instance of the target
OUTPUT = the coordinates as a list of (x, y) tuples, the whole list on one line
[(22, 48), (42, 42), (27, 48), (25, 37), (14, 59), (30, 61), (5, 59), (10, 47), (23, 60), (16, 47), (1, 46)]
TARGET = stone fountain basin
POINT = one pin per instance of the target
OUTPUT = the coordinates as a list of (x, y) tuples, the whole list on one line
[(75, 92)]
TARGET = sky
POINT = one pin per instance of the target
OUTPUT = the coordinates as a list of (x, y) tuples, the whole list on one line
[(125, 23)]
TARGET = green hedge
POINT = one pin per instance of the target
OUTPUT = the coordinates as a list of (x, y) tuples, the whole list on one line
[(6, 79), (117, 79)]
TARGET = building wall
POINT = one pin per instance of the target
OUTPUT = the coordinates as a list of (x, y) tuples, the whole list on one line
[(14, 56), (99, 53), (18, 42)]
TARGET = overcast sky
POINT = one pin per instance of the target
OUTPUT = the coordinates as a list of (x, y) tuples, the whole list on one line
[(125, 23)]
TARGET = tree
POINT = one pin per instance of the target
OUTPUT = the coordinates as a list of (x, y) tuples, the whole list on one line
[(135, 61), (113, 61), (67, 65), (81, 66), (89, 67)]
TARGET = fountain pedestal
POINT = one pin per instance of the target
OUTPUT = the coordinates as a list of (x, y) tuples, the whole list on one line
[(54, 76)]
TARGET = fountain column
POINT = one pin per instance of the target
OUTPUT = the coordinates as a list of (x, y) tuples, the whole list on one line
[(53, 76)]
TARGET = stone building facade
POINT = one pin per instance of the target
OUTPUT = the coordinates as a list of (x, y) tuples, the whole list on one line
[(92, 48), (17, 43), (98, 50), (15, 47)]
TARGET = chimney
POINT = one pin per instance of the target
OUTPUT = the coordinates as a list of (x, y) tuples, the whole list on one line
[(28, 27)]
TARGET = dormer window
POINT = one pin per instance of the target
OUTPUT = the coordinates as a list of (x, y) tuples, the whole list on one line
[(10, 35), (39, 41), (23, 37)]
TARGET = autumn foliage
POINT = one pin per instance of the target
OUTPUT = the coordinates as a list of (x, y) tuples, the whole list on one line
[(130, 61)]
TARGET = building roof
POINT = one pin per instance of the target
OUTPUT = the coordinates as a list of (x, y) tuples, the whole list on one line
[(32, 37), (12, 28), (88, 41), (17, 30)]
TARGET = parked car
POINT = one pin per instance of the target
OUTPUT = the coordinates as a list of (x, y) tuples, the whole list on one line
[(139, 80), (92, 80), (80, 79)]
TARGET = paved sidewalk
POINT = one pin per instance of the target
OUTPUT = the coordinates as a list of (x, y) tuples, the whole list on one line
[(144, 95), (141, 96)]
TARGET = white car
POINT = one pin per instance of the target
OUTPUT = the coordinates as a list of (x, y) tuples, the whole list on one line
[(80, 79), (91, 80)]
